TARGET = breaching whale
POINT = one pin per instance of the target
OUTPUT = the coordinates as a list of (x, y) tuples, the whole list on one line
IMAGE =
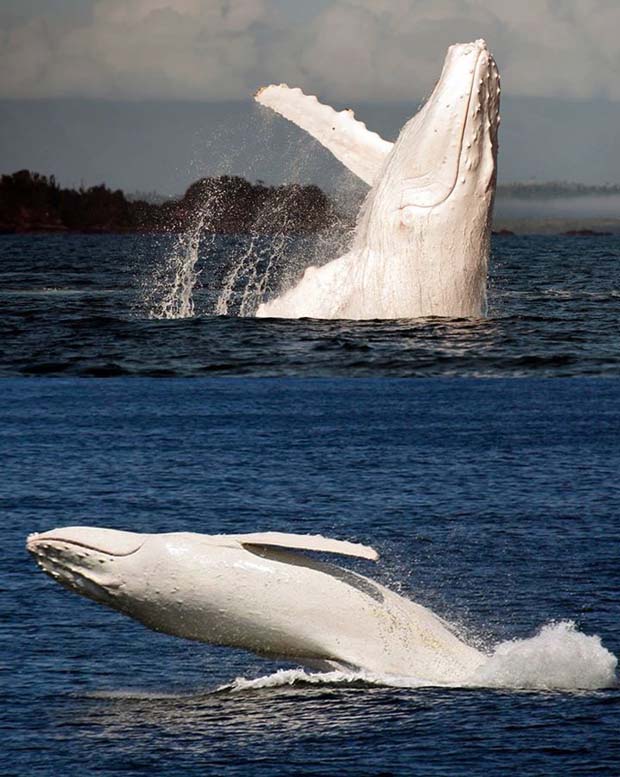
[(261, 593), (422, 241)]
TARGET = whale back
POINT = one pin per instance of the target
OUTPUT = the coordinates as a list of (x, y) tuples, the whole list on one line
[(285, 604), (353, 621)]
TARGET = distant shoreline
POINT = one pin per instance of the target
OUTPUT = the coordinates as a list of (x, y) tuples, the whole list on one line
[(585, 227), (35, 204), (581, 229)]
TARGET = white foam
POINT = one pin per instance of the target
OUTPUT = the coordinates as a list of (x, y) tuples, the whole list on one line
[(291, 677), (559, 657)]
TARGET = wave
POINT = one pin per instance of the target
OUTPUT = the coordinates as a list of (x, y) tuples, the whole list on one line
[(558, 658)]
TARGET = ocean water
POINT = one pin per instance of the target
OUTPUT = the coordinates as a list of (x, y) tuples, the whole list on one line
[(493, 502), (137, 305)]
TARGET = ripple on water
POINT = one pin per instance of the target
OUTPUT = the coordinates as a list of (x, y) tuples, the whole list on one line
[(554, 305)]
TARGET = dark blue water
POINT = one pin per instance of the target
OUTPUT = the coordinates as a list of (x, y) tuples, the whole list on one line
[(82, 305), (495, 503)]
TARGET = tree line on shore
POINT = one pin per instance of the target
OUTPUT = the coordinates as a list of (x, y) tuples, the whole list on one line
[(30, 202)]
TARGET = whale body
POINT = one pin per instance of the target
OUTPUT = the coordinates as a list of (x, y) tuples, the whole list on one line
[(259, 592), (422, 241)]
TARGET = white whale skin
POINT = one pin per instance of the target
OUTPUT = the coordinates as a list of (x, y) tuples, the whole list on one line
[(259, 593), (422, 241)]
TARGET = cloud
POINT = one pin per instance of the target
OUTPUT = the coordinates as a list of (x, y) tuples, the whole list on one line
[(348, 50), (137, 48), (394, 48)]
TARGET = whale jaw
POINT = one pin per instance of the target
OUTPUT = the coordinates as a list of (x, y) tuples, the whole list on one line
[(85, 559), (422, 241)]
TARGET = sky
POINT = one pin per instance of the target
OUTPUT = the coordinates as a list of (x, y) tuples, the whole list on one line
[(345, 49), (184, 53)]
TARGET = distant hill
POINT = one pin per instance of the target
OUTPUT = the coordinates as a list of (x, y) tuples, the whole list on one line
[(30, 202)]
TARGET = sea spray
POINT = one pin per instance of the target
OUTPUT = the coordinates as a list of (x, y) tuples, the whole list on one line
[(273, 257), (177, 299), (169, 292), (297, 677), (268, 254), (254, 267), (559, 657)]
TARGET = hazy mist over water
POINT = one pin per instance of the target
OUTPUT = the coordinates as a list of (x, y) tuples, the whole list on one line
[(573, 207)]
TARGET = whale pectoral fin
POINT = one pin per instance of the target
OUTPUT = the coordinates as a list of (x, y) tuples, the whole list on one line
[(359, 149), (307, 542)]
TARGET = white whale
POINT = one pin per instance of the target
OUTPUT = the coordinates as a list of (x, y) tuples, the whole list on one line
[(422, 241), (260, 593)]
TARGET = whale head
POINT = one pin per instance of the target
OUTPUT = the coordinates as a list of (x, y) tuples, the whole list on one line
[(90, 561), (446, 155), (427, 221), (448, 151), (168, 582), (142, 575)]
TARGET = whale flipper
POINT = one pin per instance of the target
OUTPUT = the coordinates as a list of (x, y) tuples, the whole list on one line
[(314, 542), (359, 149)]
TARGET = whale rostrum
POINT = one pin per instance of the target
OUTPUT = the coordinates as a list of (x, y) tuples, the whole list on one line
[(422, 240), (260, 592)]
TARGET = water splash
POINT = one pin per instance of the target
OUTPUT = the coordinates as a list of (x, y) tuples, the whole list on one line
[(296, 677), (177, 300), (559, 657), (170, 291), (258, 264), (256, 267), (272, 257)]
